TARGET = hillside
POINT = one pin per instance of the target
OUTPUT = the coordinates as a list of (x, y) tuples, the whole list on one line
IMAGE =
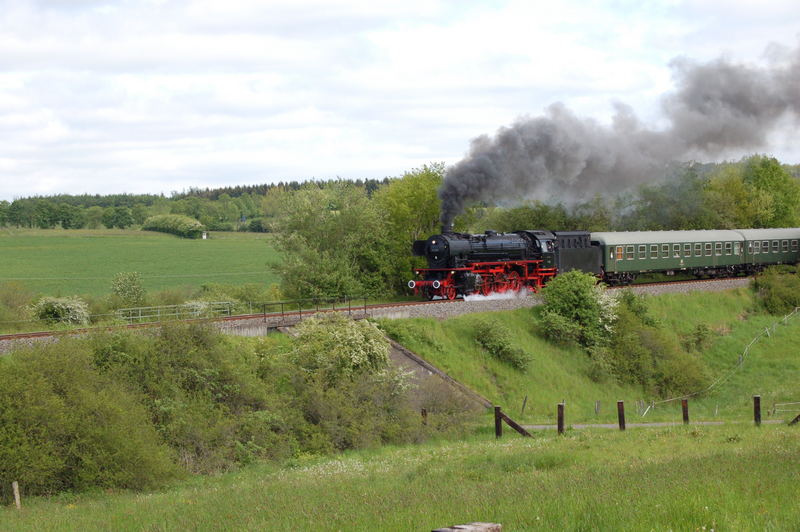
[(558, 373)]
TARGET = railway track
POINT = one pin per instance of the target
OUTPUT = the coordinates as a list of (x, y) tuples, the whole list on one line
[(408, 308)]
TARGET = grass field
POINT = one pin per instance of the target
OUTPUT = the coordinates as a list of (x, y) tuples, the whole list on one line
[(686, 478), (83, 262)]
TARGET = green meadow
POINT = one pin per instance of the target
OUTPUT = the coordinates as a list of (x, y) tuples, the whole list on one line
[(83, 262), (734, 477)]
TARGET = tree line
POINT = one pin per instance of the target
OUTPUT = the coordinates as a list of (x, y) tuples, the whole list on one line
[(345, 237)]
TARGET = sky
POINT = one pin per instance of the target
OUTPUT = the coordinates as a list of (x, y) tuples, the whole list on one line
[(156, 96)]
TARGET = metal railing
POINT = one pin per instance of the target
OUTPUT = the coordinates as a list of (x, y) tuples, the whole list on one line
[(194, 310), (300, 307)]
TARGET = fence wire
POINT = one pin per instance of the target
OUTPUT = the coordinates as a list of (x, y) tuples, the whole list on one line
[(767, 332)]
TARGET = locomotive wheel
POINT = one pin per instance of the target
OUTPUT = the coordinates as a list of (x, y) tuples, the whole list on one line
[(486, 287), (450, 292), (513, 281)]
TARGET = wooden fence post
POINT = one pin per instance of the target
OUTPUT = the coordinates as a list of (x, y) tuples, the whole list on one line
[(621, 414), (757, 410), (561, 418), (596, 408), (498, 422), (15, 487), (685, 408), (424, 413)]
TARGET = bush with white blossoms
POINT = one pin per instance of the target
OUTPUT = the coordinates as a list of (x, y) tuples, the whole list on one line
[(339, 346), (70, 310)]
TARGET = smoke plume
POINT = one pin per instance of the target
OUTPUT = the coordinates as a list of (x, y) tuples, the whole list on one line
[(717, 106)]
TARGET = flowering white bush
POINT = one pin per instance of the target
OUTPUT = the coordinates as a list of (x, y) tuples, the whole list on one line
[(72, 310), (340, 346)]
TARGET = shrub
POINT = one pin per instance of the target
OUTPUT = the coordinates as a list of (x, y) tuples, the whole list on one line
[(778, 293), (496, 339), (128, 287), (575, 307), (70, 310), (176, 224), (340, 347), (642, 352), (64, 426)]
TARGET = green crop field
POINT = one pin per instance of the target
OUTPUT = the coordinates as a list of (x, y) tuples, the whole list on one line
[(83, 262)]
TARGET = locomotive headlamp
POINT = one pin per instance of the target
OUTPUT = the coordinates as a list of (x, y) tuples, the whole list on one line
[(436, 284)]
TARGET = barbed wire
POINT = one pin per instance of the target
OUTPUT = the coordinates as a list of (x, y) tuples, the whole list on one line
[(739, 363)]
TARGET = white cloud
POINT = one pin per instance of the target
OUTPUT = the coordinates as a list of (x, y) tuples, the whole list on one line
[(150, 96)]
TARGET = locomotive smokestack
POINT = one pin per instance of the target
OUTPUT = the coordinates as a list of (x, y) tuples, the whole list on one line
[(717, 107), (447, 227)]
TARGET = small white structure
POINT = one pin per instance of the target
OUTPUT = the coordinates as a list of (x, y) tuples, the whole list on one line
[(205, 235)]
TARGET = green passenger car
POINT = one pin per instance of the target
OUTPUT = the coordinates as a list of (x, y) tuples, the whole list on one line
[(703, 253)]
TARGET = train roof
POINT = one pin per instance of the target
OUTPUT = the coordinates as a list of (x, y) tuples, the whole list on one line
[(666, 237), (669, 237), (767, 234)]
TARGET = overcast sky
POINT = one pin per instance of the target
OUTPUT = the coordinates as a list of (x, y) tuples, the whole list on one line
[(159, 96)]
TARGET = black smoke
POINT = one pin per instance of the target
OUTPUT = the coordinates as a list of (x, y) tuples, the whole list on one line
[(717, 106)]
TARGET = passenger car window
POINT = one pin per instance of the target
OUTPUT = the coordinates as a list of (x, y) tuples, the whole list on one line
[(698, 250), (728, 248), (629, 252), (620, 256), (756, 246), (718, 248), (664, 251), (653, 252), (687, 250), (794, 245), (676, 250), (642, 252), (708, 249), (774, 246), (785, 246)]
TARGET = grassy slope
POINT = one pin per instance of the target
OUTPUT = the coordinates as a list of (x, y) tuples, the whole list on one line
[(655, 479), (58, 262), (561, 374)]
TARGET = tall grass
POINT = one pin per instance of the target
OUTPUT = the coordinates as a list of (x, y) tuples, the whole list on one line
[(721, 478)]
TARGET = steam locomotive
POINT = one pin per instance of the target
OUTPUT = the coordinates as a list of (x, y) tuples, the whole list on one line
[(461, 264)]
